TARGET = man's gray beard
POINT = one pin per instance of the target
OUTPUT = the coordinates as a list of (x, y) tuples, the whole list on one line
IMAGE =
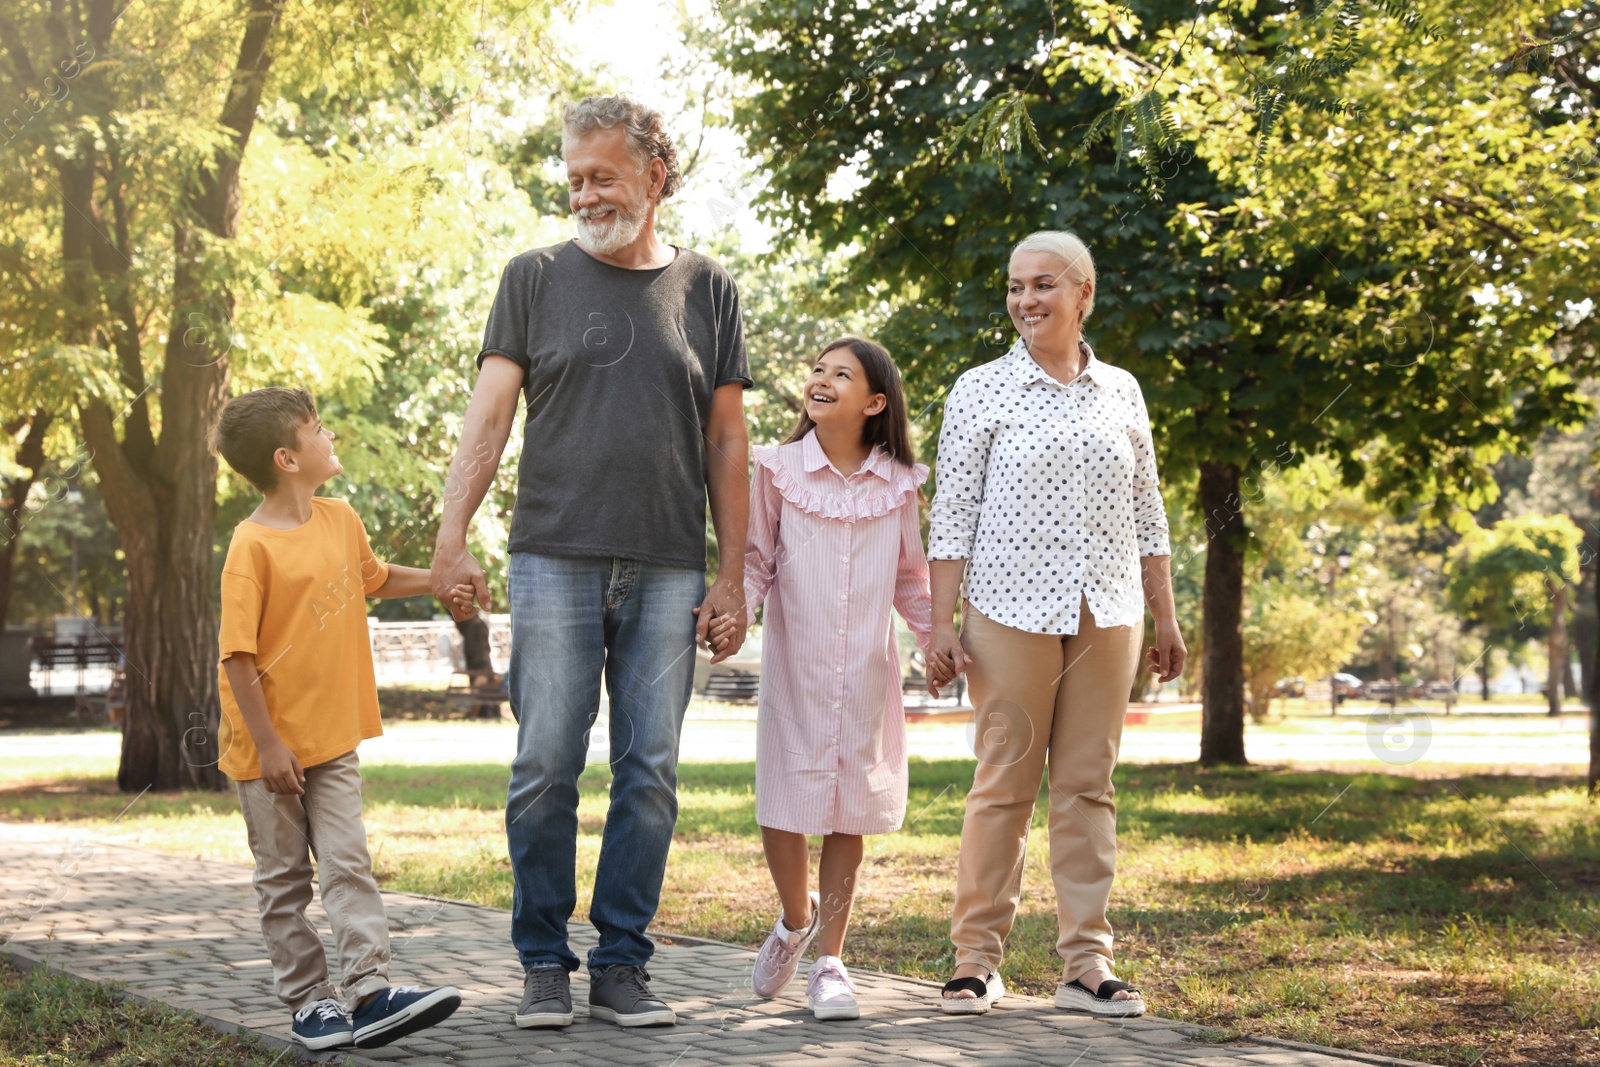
[(623, 229)]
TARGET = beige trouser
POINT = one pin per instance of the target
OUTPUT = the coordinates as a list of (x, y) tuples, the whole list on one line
[(285, 832), (1039, 694)]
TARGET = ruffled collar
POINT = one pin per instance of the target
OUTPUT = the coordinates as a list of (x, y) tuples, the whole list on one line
[(803, 475)]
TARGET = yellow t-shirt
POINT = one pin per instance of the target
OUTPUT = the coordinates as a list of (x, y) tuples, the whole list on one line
[(298, 600)]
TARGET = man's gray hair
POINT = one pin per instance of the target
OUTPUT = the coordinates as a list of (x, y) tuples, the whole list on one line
[(647, 131)]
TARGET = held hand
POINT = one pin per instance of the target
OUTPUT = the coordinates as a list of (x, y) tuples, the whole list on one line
[(1168, 654), (281, 771), (945, 653), (453, 567), (724, 598), (722, 627), (460, 602), (939, 675)]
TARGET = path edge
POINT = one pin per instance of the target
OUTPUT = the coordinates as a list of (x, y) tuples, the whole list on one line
[(1358, 1055), (27, 963)]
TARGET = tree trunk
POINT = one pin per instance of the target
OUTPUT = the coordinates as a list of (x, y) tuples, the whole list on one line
[(161, 495), (1594, 749), (165, 515), (1444, 652), (1591, 678), (1557, 642), (30, 457), (1222, 691), (1483, 672), (1387, 657)]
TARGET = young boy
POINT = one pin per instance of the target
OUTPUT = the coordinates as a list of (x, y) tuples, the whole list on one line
[(298, 695)]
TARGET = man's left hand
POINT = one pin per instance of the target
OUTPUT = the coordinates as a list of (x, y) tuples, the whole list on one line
[(723, 598)]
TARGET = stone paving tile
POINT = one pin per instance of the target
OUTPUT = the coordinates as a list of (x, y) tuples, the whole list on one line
[(185, 932)]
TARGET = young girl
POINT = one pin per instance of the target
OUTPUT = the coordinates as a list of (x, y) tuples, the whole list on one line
[(834, 544)]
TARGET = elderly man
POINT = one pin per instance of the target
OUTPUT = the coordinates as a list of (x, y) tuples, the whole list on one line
[(630, 358)]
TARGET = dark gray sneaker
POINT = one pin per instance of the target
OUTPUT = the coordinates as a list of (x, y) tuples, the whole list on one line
[(546, 998), (622, 995)]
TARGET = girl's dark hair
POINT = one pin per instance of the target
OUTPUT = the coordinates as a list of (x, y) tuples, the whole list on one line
[(890, 427)]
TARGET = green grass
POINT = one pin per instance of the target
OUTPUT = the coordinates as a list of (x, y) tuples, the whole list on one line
[(48, 1019), (1446, 919)]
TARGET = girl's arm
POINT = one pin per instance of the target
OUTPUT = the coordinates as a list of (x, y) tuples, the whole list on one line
[(761, 545), (911, 596)]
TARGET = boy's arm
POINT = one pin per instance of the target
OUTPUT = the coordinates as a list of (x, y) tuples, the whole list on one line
[(280, 769), (404, 581)]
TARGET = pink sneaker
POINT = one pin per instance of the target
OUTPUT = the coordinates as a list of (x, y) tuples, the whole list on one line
[(779, 958), (830, 991)]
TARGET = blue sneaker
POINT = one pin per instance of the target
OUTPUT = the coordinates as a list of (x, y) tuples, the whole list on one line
[(323, 1024), (400, 1010)]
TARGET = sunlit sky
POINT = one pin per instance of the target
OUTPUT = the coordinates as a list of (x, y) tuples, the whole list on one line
[(633, 41)]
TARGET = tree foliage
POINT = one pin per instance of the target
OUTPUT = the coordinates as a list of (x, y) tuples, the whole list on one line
[(146, 244), (1396, 282), (1502, 578)]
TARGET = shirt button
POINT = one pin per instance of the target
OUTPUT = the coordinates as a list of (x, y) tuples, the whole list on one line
[(841, 630), (833, 774), (842, 596), (835, 703), (838, 670)]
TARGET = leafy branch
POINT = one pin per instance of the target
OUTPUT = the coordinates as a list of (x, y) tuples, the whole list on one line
[(1000, 126), (1142, 125)]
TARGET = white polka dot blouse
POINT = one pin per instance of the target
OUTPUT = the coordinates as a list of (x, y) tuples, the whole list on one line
[(1050, 491)]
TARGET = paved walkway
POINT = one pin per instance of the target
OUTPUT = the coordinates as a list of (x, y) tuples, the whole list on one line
[(184, 932)]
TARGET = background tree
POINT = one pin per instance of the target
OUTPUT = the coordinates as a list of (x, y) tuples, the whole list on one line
[(1296, 623), (133, 143), (69, 560), (1515, 576), (1562, 476), (1263, 325)]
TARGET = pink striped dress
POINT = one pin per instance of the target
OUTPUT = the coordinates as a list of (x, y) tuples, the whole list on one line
[(831, 556)]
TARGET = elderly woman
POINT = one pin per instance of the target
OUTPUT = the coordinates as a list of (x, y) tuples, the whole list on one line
[(1048, 501)]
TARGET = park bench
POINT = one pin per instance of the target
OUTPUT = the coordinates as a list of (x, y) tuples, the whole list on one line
[(484, 692), (733, 686), (108, 707)]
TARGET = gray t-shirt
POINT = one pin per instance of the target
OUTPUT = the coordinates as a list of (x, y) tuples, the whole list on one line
[(619, 367)]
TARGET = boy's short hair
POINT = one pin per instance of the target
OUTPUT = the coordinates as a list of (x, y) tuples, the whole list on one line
[(254, 425)]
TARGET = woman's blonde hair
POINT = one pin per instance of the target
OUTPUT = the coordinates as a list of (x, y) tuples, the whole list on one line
[(1066, 247)]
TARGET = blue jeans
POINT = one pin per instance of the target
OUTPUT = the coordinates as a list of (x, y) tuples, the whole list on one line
[(573, 620)]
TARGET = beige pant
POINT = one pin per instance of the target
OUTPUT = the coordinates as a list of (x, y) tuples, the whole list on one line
[(1039, 694), (285, 832)]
